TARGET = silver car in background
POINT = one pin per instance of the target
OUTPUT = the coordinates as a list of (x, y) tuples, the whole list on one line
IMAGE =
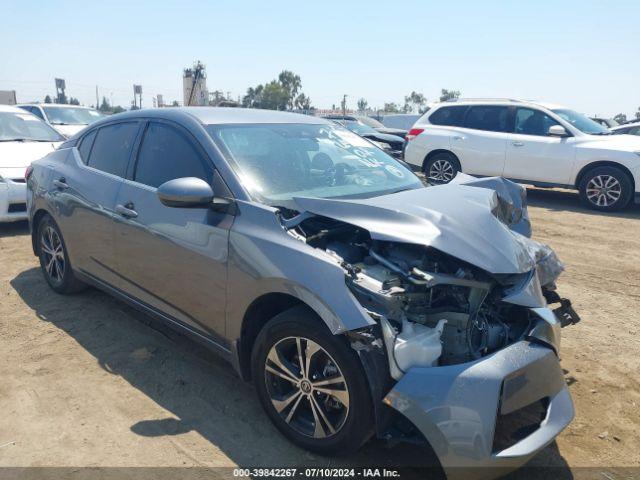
[(358, 301)]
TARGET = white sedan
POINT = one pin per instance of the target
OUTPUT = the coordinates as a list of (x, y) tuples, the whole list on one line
[(23, 139), (65, 119)]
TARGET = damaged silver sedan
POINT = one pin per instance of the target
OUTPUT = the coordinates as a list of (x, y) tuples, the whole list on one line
[(358, 301)]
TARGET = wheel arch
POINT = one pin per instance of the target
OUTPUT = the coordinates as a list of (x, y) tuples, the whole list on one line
[(37, 216), (433, 153), (259, 312), (603, 163)]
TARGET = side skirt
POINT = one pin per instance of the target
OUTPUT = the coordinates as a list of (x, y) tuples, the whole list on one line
[(218, 346)]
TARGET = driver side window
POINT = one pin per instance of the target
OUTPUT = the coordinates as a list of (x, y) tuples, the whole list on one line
[(166, 154), (533, 122)]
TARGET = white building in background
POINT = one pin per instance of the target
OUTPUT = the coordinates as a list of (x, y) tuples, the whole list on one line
[(194, 83)]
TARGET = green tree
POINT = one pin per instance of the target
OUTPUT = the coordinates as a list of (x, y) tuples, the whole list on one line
[(414, 101), (391, 108), (47, 99), (449, 94), (104, 106), (74, 101), (362, 105), (638, 114), (292, 85), (253, 98), (303, 102), (274, 96), (620, 118), (118, 109)]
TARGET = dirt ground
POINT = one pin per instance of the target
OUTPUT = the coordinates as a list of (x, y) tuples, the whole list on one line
[(86, 381)]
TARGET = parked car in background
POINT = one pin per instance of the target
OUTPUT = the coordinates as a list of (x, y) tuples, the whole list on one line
[(535, 143), (23, 139), (392, 144), (605, 122), (358, 301), (370, 122), (401, 121), (66, 119), (627, 128)]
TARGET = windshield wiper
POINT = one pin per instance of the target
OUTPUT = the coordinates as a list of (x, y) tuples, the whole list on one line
[(24, 140), (601, 133)]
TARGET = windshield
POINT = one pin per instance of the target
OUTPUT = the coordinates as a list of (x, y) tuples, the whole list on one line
[(358, 128), (25, 127), (71, 116), (372, 122), (277, 162), (581, 122)]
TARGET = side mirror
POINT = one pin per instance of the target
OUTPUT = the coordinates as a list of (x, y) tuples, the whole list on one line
[(557, 131), (187, 192)]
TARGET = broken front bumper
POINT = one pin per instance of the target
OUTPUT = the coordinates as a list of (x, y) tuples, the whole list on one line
[(464, 410)]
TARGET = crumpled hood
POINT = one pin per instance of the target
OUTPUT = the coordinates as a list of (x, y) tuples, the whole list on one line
[(458, 219)]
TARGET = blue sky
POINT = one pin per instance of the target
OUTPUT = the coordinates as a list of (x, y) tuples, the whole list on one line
[(584, 54)]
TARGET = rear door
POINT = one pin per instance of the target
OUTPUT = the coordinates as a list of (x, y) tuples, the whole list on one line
[(85, 191), (173, 259), (534, 155), (481, 143)]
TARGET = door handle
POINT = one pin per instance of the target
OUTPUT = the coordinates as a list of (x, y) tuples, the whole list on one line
[(127, 210), (518, 144), (457, 137), (61, 183)]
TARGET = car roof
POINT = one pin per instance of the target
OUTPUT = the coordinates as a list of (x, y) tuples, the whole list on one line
[(497, 101), (220, 115), (11, 108), (54, 105), (626, 125)]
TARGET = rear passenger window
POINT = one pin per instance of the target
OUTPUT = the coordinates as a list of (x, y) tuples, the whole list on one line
[(533, 122), (85, 146), (167, 153), (489, 118), (112, 147), (449, 116)]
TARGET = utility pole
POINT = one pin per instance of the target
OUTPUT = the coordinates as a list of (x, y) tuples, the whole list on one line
[(97, 99)]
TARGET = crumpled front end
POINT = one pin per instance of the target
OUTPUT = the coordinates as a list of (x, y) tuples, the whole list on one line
[(461, 299), (485, 417)]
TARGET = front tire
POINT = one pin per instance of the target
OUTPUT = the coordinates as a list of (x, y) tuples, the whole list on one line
[(441, 168), (606, 189), (311, 384), (54, 259)]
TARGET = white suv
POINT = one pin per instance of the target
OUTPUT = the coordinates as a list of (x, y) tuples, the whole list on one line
[(534, 143)]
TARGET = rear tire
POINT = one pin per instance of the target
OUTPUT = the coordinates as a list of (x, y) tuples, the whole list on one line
[(297, 401), (606, 189), (54, 259), (441, 168)]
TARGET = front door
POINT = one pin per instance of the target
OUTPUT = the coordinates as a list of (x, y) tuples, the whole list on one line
[(481, 143), (534, 155), (172, 259)]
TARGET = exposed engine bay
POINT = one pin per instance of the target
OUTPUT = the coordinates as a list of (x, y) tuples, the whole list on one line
[(434, 308), (411, 284)]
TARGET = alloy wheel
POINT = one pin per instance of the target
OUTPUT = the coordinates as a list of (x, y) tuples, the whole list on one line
[(441, 171), (306, 387), (603, 190), (53, 254)]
